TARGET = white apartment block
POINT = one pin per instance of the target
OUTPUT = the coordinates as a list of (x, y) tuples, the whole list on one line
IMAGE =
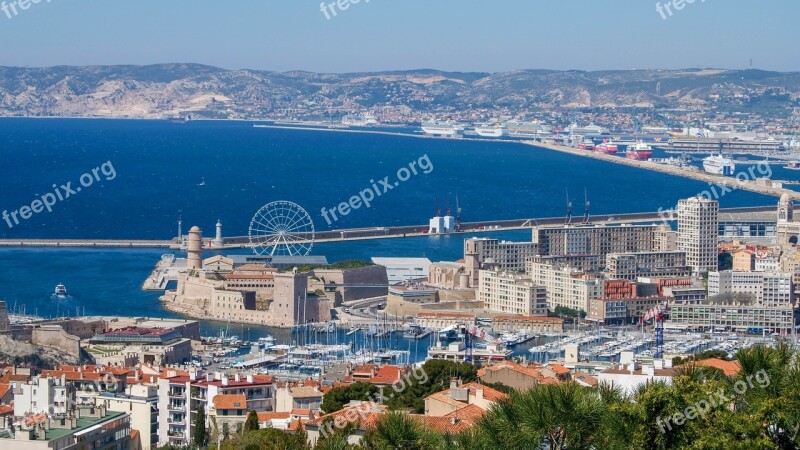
[(767, 288), (601, 239), (179, 396), (565, 286), (512, 293), (508, 256), (698, 232), (768, 263), (43, 395), (140, 401)]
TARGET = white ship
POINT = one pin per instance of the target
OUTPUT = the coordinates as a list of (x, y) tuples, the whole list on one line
[(446, 129), (490, 131), (719, 165), (518, 129), (366, 120), (590, 129), (60, 291)]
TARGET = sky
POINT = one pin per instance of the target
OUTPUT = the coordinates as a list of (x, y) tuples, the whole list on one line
[(373, 35)]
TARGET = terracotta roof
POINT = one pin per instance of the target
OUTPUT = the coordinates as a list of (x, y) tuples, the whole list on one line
[(6, 409), (585, 378), (230, 401), (387, 375), (729, 368), (267, 416), (510, 365), (4, 388), (305, 392), (295, 425), (493, 395), (559, 369), (366, 414), (301, 412)]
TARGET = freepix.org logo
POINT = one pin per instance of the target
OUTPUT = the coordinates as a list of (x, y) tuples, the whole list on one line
[(59, 193)]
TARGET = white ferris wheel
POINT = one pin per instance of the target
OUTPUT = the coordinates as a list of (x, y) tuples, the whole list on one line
[(281, 228)]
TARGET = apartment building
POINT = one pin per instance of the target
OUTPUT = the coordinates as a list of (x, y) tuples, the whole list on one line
[(698, 233), (601, 239), (565, 286), (766, 288), (631, 266), (507, 256), (512, 293)]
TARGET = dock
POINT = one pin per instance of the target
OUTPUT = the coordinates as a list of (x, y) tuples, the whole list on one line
[(359, 234), (760, 186)]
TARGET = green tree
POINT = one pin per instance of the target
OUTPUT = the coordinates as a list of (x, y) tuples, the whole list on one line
[(340, 396), (399, 431), (435, 375), (251, 424), (200, 427), (561, 416)]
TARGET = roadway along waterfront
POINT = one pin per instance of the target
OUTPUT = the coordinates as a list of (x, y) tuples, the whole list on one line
[(358, 234)]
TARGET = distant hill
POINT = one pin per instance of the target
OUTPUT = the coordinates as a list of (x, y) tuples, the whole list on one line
[(167, 90)]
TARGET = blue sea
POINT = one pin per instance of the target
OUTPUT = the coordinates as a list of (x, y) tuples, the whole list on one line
[(208, 170)]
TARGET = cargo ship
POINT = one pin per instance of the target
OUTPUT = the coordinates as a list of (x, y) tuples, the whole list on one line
[(640, 151), (586, 144), (607, 148), (719, 165)]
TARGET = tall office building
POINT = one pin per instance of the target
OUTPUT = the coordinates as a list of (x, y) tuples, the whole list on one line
[(698, 232)]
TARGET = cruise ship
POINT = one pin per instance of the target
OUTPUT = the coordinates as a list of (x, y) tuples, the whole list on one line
[(590, 129), (527, 130), (490, 131), (365, 120), (719, 165), (445, 129), (639, 151)]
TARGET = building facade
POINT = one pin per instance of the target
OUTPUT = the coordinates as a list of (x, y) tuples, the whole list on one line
[(512, 293), (698, 233), (565, 286)]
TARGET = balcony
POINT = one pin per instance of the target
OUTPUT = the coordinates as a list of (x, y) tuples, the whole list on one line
[(177, 407), (177, 394)]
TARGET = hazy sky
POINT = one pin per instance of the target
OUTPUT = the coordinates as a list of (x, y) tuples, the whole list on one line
[(467, 35)]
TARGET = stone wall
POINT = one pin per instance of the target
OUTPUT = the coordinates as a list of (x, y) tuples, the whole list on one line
[(54, 336), (369, 276)]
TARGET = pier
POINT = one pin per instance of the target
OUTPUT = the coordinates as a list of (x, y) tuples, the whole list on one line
[(760, 186), (358, 234)]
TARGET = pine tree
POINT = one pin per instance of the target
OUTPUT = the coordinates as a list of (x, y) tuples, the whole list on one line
[(252, 422), (200, 427)]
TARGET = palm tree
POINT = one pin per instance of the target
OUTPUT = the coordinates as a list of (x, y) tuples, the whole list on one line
[(556, 417), (399, 431)]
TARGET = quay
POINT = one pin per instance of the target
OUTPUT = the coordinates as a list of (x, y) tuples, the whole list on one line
[(761, 187), (357, 234)]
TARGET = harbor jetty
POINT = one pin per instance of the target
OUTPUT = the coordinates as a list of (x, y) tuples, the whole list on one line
[(750, 183), (357, 234)]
